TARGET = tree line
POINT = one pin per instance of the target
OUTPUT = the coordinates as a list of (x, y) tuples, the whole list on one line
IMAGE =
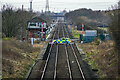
[(14, 21), (115, 30), (92, 19)]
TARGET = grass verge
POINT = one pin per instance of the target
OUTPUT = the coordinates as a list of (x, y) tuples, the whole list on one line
[(18, 57), (102, 57)]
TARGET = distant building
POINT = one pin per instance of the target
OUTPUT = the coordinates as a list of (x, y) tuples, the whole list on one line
[(88, 36), (58, 16)]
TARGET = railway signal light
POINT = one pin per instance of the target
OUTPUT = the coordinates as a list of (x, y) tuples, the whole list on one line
[(82, 26)]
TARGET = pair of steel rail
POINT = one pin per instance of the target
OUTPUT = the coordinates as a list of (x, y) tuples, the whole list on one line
[(76, 58), (48, 58), (56, 59)]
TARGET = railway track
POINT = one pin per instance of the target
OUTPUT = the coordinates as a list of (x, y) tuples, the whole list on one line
[(76, 69), (62, 61), (62, 64), (48, 71)]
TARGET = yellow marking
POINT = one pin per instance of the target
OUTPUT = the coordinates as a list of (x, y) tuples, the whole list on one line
[(60, 41)]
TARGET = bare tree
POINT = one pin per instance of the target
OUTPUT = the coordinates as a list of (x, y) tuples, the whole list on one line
[(14, 21), (115, 30)]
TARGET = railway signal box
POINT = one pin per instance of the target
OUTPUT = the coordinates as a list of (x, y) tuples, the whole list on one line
[(37, 29)]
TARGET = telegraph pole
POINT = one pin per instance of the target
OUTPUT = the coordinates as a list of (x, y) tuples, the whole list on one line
[(71, 27), (103, 23)]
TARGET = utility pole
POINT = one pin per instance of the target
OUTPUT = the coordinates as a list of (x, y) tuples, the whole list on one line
[(47, 6), (71, 27), (103, 23), (103, 26)]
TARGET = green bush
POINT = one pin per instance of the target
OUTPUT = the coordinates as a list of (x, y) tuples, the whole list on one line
[(6, 38), (97, 41)]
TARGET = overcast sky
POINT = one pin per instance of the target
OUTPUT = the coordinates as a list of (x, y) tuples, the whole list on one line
[(59, 5)]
